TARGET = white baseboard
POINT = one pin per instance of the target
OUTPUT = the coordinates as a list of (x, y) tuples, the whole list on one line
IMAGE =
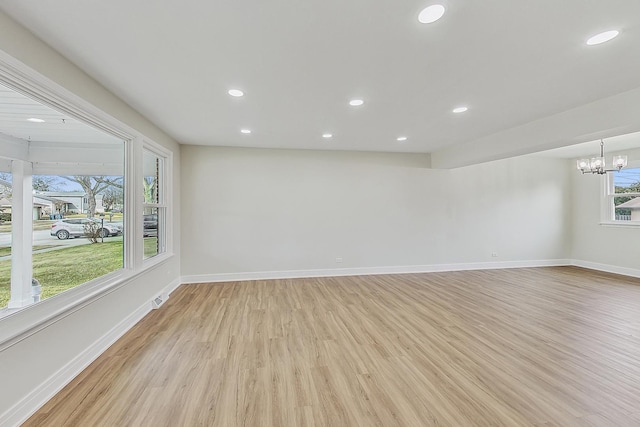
[(26, 407), (364, 271), (175, 284), (22, 410), (633, 272)]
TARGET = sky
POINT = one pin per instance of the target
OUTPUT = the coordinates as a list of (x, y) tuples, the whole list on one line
[(626, 177)]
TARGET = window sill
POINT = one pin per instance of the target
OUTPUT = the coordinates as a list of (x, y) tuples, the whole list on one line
[(18, 324), (621, 224)]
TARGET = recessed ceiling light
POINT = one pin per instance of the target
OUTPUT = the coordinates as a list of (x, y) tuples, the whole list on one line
[(401, 138), (356, 102), (602, 37), (327, 135), (431, 14), (34, 120), (460, 109), (235, 92), (245, 131)]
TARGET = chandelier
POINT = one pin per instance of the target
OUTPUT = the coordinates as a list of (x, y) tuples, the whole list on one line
[(598, 165)]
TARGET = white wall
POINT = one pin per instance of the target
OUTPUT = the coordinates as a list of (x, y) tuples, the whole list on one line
[(602, 246), (45, 355), (252, 210)]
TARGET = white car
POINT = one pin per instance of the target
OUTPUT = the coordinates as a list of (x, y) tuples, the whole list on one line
[(75, 227)]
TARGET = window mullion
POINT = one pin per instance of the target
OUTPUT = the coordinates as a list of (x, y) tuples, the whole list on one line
[(133, 205)]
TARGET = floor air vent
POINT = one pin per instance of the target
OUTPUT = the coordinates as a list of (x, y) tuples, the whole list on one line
[(157, 301)]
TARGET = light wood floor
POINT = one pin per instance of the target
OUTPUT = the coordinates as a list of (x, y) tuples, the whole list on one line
[(546, 346)]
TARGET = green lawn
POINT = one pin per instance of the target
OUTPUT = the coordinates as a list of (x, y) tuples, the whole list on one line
[(150, 247), (63, 269), (66, 268)]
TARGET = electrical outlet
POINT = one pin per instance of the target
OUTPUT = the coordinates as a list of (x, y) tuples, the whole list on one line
[(338, 260), (494, 254)]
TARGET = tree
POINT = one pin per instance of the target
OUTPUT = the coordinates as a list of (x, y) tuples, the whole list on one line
[(633, 188), (112, 198), (94, 185), (150, 189), (45, 183), (5, 187), (59, 205)]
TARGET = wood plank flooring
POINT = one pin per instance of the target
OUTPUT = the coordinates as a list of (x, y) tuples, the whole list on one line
[(522, 347)]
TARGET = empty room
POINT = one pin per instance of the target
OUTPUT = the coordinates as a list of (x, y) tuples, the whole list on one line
[(335, 213)]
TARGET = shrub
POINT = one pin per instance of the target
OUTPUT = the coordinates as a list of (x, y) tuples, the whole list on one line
[(92, 231)]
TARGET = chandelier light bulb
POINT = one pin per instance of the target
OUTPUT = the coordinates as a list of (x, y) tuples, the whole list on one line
[(619, 162), (597, 163)]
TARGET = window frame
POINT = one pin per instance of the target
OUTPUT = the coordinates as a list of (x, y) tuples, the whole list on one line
[(608, 195), (20, 324), (164, 193)]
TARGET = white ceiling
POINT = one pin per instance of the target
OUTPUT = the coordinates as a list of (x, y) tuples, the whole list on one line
[(514, 63)]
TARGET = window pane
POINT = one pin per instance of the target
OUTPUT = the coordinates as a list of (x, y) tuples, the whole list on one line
[(627, 208), (75, 202), (5, 238), (627, 181), (152, 165), (150, 232), (78, 229), (153, 209)]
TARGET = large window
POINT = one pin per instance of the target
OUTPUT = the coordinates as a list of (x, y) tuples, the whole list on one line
[(61, 202), (623, 197)]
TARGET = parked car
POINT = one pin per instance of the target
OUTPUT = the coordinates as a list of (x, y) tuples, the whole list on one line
[(150, 225), (75, 227)]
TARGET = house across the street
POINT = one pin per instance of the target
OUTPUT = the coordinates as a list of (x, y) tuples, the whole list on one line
[(634, 206)]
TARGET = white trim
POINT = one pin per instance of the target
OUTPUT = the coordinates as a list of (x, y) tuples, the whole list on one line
[(13, 148), (364, 271), (25, 80), (625, 271), (607, 196), (165, 192), (29, 82), (5, 163), (175, 284), (26, 322), (622, 224), (606, 202), (27, 406), (133, 205)]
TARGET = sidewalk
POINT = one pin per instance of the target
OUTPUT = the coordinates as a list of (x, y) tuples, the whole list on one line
[(78, 241), (39, 251)]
